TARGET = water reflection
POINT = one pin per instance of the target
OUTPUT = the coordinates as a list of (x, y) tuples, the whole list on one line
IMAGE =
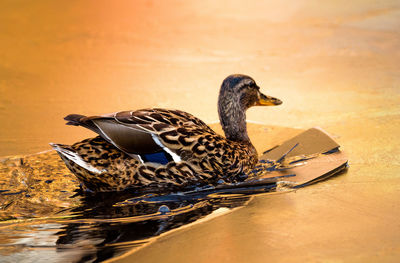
[(106, 225), (114, 227)]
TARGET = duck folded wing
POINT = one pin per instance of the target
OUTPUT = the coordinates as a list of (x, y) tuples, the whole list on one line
[(143, 131), (130, 138)]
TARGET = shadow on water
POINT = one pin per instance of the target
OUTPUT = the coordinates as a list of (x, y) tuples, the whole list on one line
[(44, 215)]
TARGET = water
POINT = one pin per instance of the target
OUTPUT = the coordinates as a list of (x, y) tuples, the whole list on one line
[(334, 65)]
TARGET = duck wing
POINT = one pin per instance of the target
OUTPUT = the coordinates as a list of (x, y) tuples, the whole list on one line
[(144, 131)]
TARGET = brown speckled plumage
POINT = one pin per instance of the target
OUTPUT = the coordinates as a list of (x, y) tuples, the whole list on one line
[(196, 155)]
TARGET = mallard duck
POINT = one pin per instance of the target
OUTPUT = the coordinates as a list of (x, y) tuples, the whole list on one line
[(166, 149)]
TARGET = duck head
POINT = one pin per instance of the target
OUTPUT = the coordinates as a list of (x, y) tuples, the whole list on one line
[(237, 94)]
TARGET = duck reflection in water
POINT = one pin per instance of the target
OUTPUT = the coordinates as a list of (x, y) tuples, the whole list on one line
[(107, 225)]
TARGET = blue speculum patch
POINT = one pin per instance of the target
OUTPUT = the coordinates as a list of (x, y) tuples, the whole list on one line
[(158, 157)]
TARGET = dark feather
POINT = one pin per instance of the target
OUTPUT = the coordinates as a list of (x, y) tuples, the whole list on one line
[(128, 138)]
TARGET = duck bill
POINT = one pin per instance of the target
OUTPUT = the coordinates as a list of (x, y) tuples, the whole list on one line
[(265, 100)]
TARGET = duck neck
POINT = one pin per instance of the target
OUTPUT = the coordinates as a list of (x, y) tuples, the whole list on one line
[(233, 121)]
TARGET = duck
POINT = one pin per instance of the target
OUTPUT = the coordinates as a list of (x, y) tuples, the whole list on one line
[(166, 149)]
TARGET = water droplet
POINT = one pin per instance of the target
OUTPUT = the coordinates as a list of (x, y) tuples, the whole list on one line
[(164, 209)]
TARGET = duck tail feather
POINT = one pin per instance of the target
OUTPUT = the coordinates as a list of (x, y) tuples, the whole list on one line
[(69, 155), (74, 119)]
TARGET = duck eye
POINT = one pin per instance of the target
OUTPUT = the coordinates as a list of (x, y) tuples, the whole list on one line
[(254, 86)]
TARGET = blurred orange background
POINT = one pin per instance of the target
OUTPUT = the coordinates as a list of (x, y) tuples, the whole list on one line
[(325, 61)]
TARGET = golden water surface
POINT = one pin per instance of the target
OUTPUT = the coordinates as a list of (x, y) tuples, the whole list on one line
[(334, 64)]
